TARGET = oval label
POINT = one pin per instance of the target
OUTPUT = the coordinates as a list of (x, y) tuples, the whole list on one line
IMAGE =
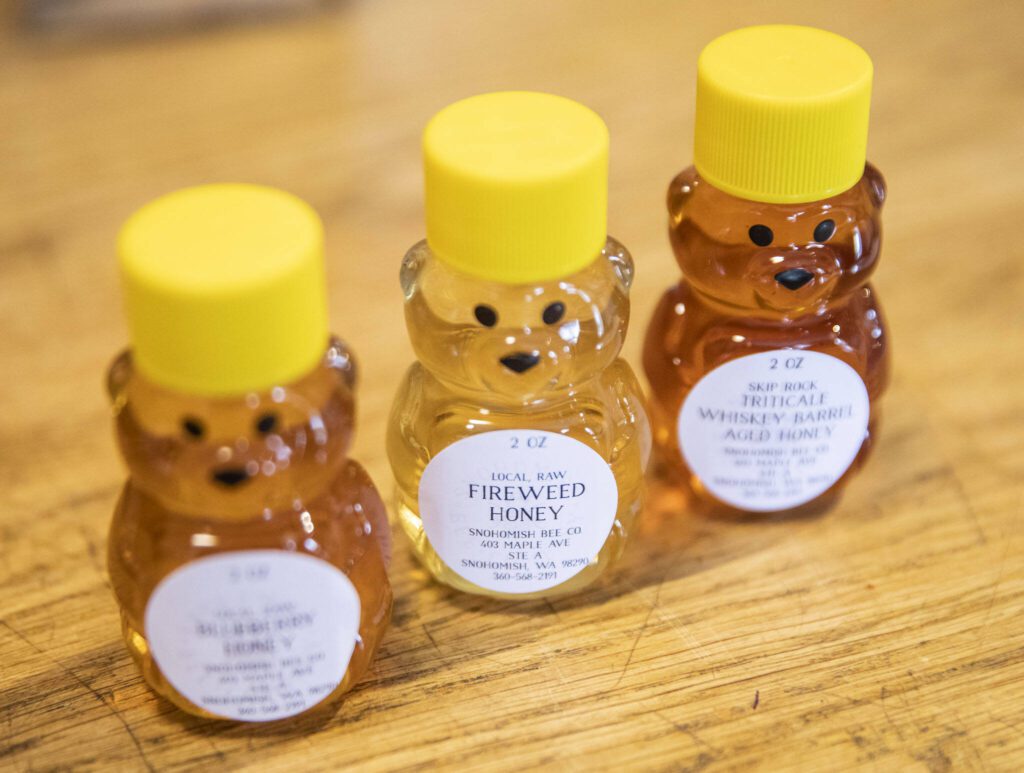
[(773, 430), (254, 635), (518, 511)]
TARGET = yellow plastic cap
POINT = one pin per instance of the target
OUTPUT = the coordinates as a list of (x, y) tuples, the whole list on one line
[(516, 186), (782, 113), (224, 289)]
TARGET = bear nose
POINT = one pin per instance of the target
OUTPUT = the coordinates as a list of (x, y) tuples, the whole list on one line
[(520, 362), (231, 477), (794, 278)]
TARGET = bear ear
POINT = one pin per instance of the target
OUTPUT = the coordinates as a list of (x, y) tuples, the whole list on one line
[(622, 267), (339, 359), (117, 377), (680, 190), (875, 184)]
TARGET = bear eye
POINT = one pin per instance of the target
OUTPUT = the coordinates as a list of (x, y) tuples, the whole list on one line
[(553, 312), (266, 423), (192, 427), (761, 235), (485, 315), (824, 230)]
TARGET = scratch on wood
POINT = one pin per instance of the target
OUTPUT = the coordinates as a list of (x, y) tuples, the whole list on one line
[(757, 699), (698, 649), (883, 693), (687, 731), (968, 506), (94, 553), (995, 590), (110, 707), (551, 609), (434, 643), (16, 748), (622, 674)]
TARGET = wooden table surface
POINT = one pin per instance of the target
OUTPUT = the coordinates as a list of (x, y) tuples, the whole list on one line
[(888, 633)]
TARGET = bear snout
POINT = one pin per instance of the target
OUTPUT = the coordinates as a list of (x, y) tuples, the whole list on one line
[(231, 476), (520, 362), (794, 278)]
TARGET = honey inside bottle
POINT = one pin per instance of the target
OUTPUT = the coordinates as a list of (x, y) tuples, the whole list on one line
[(247, 552), (766, 361), (518, 439), (530, 362)]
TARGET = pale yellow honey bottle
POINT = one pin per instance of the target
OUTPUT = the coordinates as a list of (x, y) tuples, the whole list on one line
[(519, 438), (247, 552)]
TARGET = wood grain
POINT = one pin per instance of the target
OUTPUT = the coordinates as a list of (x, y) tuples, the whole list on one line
[(887, 634)]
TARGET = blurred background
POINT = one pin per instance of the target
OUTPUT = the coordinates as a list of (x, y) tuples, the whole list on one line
[(105, 104)]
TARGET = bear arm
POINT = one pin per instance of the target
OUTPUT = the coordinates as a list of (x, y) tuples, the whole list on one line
[(630, 411), (666, 338), (404, 446), (340, 359)]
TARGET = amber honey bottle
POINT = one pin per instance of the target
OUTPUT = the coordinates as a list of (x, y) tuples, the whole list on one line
[(247, 552), (519, 439), (767, 360)]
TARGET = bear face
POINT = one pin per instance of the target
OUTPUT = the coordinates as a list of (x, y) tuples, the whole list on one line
[(772, 258), (235, 456), (517, 343)]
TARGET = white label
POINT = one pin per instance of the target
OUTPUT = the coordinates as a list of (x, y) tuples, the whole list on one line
[(254, 635), (774, 430), (518, 511)]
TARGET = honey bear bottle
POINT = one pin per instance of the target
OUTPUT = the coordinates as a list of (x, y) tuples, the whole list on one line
[(767, 359), (519, 439), (247, 552)]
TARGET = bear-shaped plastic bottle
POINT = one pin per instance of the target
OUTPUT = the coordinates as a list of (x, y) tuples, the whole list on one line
[(766, 360), (247, 552), (519, 439)]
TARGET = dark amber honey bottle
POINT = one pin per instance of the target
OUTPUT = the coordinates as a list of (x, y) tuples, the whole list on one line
[(766, 361), (247, 552)]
